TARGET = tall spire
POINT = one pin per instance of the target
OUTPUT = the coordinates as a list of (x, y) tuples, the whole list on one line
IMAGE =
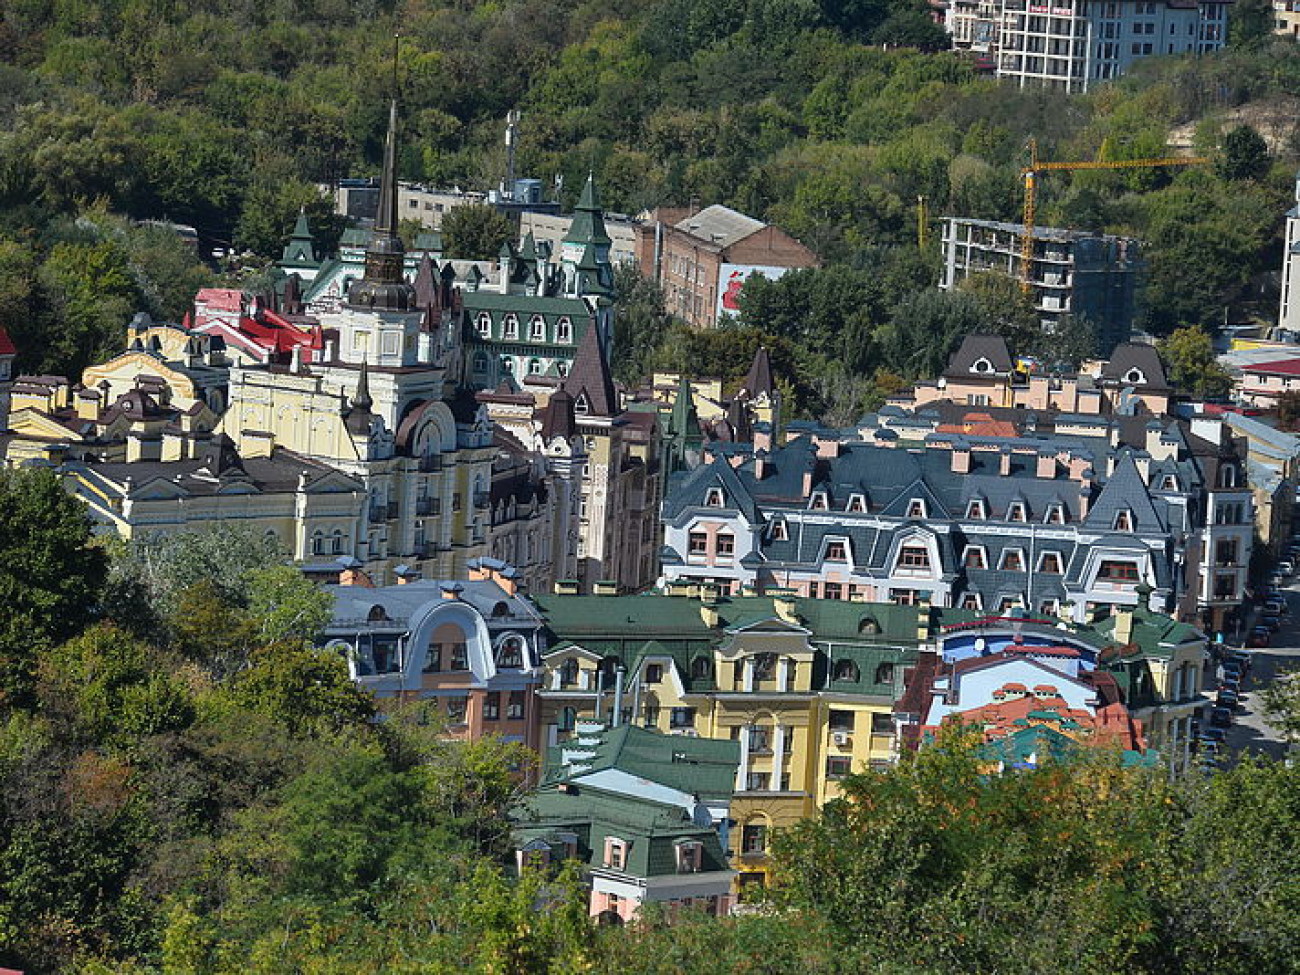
[(384, 287), (589, 380), (588, 226), (362, 400)]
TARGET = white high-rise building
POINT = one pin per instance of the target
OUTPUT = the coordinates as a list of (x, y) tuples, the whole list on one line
[(1069, 44), (1289, 311)]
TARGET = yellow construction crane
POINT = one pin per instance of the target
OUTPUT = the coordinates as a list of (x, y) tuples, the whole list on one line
[(1030, 175)]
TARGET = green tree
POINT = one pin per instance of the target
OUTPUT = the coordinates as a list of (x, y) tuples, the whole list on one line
[(286, 605), (1189, 355), (640, 323), (1244, 155), (51, 573), (475, 232), (308, 691)]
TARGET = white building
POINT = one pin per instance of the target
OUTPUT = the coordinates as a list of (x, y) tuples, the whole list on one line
[(1289, 311), (1069, 44)]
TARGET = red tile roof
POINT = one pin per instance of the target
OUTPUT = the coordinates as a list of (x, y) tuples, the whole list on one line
[(6, 344), (1278, 367)]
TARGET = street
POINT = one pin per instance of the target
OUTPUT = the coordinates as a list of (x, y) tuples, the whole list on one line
[(1250, 733)]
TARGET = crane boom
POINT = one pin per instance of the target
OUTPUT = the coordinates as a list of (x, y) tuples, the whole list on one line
[(1030, 175)]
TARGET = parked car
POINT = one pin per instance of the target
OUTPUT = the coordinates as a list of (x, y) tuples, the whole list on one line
[(1260, 636), (1286, 567), (1227, 699), (1231, 684), (1275, 607), (1220, 717), (1215, 734), (1274, 623), (1243, 659)]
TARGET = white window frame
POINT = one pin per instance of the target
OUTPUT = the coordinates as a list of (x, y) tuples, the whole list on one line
[(1006, 552)]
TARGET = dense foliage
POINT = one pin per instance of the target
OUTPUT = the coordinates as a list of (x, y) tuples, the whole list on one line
[(227, 117)]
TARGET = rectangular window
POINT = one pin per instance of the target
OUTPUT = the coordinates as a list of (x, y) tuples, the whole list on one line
[(753, 838), (838, 766), (615, 856), (1225, 551), (1118, 571), (914, 557), (835, 552), (974, 558), (456, 707), (1013, 561), (492, 706), (841, 721), (654, 673), (459, 656), (756, 782), (1050, 563), (682, 718), (726, 547), (698, 544), (882, 724), (904, 597), (760, 739), (832, 590), (433, 658)]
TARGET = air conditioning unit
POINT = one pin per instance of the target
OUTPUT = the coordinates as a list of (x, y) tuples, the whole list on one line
[(841, 738)]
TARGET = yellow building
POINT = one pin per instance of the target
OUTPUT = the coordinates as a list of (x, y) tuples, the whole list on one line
[(807, 688)]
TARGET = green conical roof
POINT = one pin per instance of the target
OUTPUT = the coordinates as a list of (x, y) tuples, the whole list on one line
[(301, 248), (588, 225), (684, 423)]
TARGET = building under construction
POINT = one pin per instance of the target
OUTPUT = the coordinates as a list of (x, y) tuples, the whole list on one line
[(1096, 277)]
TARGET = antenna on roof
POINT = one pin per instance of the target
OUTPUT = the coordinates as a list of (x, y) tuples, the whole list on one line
[(397, 41)]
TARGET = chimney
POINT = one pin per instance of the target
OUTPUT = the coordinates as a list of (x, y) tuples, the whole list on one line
[(619, 674), (1123, 626), (452, 590), (1004, 462), (89, 404), (807, 482), (709, 614), (785, 608), (354, 575), (1046, 464), (405, 575), (329, 350), (961, 458), (760, 464), (829, 449), (762, 437)]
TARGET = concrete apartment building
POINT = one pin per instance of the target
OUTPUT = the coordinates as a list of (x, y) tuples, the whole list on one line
[(702, 258), (1070, 44), (1092, 276)]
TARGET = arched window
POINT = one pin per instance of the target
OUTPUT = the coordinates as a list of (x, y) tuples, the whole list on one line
[(507, 365), (376, 614), (701, 668), (534, 367), (884, 673), (511, 653), (868, 626), (564, 330), (511, 327), (537, 329), (336, 541), (318, 543), (483, 324), (846, 669)]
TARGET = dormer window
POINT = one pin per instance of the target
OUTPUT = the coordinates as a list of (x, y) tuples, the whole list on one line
[(971, 601), (1013, 560), (836, 552), (537, 329), (564, 330), (1016, 512), (690, 856), (975, 510), (846, 669), (714, 498), (1169, 482), (1055, 514), (974, 557), (916, 508), (914, 558), (511, 653), (1049, 563), (511, 330), (483, 325), (819, 502), (780, 531), (857, 504), (615, 853), (1123, 520), (534, 367), (1135, 376), (982, 366), (1228, 476)]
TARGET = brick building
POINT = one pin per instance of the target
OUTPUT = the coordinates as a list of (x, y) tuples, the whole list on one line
[(702, 258)]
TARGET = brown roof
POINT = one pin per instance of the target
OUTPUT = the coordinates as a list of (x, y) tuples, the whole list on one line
[(589, 379)]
